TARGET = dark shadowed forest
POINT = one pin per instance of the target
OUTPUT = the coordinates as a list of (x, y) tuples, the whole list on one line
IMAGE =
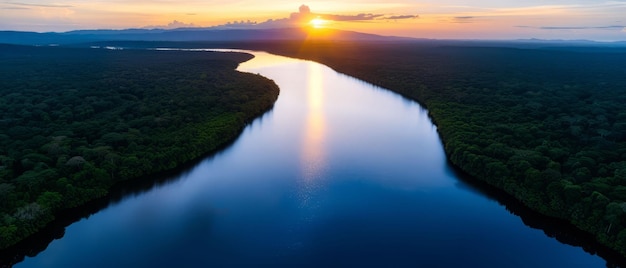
[(74, 122)]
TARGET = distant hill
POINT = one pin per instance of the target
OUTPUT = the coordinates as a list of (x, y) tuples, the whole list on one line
[(184, 34), (216, 34)]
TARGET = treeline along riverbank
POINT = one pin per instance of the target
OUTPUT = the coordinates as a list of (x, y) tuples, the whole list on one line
[(547, 126), (74, 122)]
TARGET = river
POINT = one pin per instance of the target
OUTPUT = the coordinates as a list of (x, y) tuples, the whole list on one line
[(339, 173)]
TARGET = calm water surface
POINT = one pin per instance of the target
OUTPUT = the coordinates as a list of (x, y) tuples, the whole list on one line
[(339, 173)]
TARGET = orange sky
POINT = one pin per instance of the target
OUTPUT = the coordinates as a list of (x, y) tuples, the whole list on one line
[(444, 19)]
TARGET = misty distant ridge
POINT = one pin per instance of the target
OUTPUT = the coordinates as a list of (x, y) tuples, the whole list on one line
[(221, 34), (182, 34)]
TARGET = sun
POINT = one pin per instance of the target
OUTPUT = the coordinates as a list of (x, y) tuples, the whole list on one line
[(318, 22)]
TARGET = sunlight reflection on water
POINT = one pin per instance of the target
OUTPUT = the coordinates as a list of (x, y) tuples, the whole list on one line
[(315, 127), (313, 158)]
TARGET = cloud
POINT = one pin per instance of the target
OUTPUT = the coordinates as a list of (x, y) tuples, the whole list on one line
[(358, 17), (179, 24), (241, 24), (402, 17), (581, 28), (463, 19), (305, 15), (609, 27), (172, 25), (37, 5), (15, 8)]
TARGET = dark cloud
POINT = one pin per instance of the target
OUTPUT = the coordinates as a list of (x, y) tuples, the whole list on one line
[(304, 9), (36, 5), (358, 17), (402, 17), (305, 14), (15, 8), (463, 19)]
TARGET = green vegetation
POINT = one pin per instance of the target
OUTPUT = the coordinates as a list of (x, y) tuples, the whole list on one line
[(546, 126), (73, 122)]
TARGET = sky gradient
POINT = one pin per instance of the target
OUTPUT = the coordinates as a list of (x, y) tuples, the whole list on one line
[(442, 19)]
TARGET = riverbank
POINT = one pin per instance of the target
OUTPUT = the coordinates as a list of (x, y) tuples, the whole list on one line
[(76, 122), (549, 135)]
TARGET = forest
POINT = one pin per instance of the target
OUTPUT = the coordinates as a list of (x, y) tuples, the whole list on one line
[(547, 126), (74, 122)]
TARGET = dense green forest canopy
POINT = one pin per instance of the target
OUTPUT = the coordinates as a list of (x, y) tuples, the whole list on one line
[(548, 126), (73, 122)]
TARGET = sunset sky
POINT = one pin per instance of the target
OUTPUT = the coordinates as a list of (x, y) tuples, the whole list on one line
[(444, 19)]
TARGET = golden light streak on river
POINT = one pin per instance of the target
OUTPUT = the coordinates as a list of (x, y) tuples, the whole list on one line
[(313, 158)]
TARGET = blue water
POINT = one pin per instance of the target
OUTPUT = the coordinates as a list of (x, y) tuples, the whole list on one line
[(339, 174)]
